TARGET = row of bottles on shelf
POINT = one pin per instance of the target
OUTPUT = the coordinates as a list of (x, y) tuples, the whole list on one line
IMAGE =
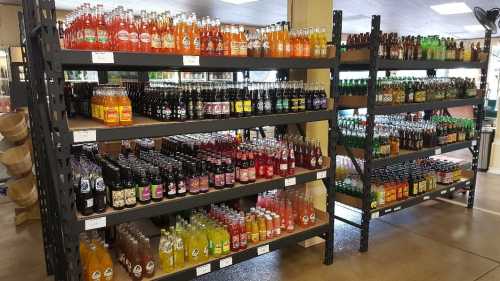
[(403, 90), (396, 47), (397, 182), (113, 105), (405, 131), (91, 28), (186, 164), (95, 258)]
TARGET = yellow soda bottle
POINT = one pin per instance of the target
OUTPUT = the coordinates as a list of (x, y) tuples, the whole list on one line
[(106, 264), (316, 43), (161, 253), (94, 270), (323, 42), (218, 241), (178, 251), (226, 241), (193, 244), (203, 240)]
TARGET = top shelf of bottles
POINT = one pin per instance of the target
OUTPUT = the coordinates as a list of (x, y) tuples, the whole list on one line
[(71, 59)]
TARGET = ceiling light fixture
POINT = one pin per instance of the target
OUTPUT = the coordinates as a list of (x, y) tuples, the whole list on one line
[(239, 2), (451, 8)]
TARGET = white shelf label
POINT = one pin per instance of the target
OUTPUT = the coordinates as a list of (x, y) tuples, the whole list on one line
[(103, 57), (191, 60), (397, 208), (387, 211), (474, 142), (427, 197), (437, 151), (263, 250), (443, 191), (290, 181), (467, 183), (226, 262), (84, 136), (203, 269), (452, 189), (95, 223), (321, 175), (375, 215)]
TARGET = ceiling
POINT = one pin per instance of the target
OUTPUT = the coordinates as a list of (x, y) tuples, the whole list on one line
[(402, 16)]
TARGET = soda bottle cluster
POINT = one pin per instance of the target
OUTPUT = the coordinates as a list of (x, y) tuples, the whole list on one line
[(403, 90), (224, 100), (95, 258), (396, 47), (278, 41), (111, 106), (409, 132), (134, 252), (189, 164), (398, 182), (91, 28)]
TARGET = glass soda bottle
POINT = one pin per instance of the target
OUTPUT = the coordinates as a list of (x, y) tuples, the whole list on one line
[(93, 266)]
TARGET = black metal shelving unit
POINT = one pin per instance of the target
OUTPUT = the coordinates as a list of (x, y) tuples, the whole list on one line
[(374, 64), (53, 133)]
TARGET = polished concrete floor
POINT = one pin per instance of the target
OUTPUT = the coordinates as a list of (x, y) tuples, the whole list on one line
[(436, 241)]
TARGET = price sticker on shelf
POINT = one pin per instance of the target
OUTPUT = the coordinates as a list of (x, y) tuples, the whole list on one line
[(103, 57), (467, 183), (95, 223), (191, 60), (452, 189), (387, 211), (84, 136), (290, 181), (474, 142), (437, 151), (226, 262), (321, 175), (443, 192), (263, 250), (375, 215), (427, 197), (397, 208), (203, 269)]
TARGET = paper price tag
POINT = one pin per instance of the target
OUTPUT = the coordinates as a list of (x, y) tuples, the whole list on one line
[(437, 151), (290, 181), (375, 215), (263, 250), (387, 211), (103, 57), (467, 183), (203, 269), (452, 189), (427, 197), (474, 142), (84, 136), (321, 175), (226, 262), (95, 223), (443, 191), (191, 60), (397, 208)]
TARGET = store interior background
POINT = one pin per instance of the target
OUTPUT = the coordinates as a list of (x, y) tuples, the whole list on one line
[(459, 241)]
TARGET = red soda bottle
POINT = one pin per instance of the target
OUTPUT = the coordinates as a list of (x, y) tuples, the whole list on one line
[(122, 39), (269, 226), (269, 165), (291, 160), (155, 33), (243, 234), (89, 29), (283, 161), (319, 155), (234, 232), (252, 177), (290, 225), (144, 33), (303, 212), (148, 262), (133, 33), (311, 211), (103, 42)]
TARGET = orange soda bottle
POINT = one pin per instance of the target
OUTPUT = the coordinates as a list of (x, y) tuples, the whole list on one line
[(168, 38), (227, 40), (94, 269), (242, 42), (235, 46), (311, 210), (287, 42), (280, 41), (254, 236), (124, 109), (290, 225), (194, 35), (261, 221), (273, 41), (144, 33), (110, 109), (106, 263), (269, 226), (154, 31), (306, 44)]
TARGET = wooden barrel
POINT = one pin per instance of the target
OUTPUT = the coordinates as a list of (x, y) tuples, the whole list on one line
[(23, 190), (17, 160), (13, 127)]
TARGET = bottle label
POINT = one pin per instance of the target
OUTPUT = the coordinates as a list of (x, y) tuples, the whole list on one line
[(219, 180), (125, 113), (225, 108), (251, 173), (118, 197), (313, 162), (194, 185), (168, 41), (196, 43), (195, 253), (137, 271), (185, 42), (111, 114), (150, 267), (243, 239), (145, 38), (238, 106), (243, 175), (108, 274), (156, 41), (102, 36), (144, 193), (269, 171), (225, 246), (96, 276), (320, 160), (284, 167), (157, 191), (130, 197), (89, 35), (220, 46), (122, 35), (181, 187), (210, 46), (99, 184), (235, 48), (229, 178), (84, 186), (235, 241), (133, 37), (247, 106)]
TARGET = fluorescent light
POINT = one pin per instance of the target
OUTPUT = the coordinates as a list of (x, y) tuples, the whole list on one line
[(474, 28), (451, 8), (238, 2)]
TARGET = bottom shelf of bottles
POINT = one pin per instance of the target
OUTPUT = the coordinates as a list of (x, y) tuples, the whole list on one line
[(193, 270)]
